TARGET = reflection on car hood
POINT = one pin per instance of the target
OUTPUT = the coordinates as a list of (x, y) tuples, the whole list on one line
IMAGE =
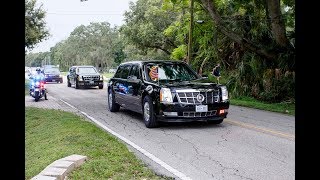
[(51, 74), (89, 74), (194, 84)]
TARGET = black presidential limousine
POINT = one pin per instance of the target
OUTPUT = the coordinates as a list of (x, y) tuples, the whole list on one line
[(167, 91)]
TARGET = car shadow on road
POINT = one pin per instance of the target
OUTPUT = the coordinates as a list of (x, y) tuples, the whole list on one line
[(174, 125), (87, 88)]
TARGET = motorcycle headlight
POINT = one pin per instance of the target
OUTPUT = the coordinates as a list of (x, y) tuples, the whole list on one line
[(224, 93), (165, 95), (101, 77), (37, 83)]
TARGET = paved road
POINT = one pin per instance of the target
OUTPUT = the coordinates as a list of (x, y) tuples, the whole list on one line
[(249, 144)]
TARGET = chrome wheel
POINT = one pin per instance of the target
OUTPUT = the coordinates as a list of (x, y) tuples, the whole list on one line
[(146, 111)]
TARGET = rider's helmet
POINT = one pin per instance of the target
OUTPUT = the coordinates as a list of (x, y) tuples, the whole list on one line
[(38, 70)]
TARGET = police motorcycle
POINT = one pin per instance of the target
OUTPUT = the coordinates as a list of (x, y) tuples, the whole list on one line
[(37, 89)]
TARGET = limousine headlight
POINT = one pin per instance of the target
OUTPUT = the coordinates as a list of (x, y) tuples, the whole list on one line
[(165, 95), (224, 93)]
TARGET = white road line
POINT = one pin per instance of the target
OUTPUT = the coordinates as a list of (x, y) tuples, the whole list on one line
[(146, 153)]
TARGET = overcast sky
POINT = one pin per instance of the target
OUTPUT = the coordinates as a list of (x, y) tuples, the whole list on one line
[(63, 16)]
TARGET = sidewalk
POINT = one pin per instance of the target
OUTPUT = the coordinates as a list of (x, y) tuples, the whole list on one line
[(51, 103)]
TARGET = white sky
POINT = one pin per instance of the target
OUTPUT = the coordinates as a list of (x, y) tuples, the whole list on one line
[(63, 16)]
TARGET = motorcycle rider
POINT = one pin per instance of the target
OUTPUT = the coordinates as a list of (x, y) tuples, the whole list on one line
[(40, 76)]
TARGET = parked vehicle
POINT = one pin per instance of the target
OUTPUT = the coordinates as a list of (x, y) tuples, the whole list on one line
[(84, 76), (37, 89), (167, 91), (52, 74)]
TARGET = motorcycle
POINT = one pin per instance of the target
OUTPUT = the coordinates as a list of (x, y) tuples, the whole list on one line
[(37, 89)]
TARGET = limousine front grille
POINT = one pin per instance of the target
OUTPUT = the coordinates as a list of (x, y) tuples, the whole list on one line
[(90, 78), (190, 97)]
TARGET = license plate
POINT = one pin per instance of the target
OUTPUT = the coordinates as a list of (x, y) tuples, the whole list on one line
[(201, 108), (91, 82)]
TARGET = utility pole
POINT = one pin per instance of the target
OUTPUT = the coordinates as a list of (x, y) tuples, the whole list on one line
[(190, 33)]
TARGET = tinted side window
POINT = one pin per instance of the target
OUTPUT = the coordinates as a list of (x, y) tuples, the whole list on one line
[(119, 71), (123, 71), (135, 71)]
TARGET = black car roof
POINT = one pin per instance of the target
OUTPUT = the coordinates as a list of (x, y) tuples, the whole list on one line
[(151, 61), (81, 66)]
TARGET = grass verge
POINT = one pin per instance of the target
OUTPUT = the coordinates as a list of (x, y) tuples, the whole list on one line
[(63, 73), (54, 134), (108, 75), (285, 108)]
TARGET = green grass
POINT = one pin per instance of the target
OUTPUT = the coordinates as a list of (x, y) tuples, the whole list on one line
[(64, 73), (54, 134), (285, 108), (108, 75)]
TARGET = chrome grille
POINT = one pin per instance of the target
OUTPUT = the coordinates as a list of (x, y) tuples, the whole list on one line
[(190, 96), (199, 114), (91, 78)]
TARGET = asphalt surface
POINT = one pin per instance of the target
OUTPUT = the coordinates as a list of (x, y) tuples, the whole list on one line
[(249, 144)]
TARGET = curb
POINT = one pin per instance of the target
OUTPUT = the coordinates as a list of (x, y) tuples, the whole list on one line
[(59, 169)]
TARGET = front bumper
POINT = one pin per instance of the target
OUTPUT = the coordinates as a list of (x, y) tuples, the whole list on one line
[(53, 79), (91, 83), (186, 113)]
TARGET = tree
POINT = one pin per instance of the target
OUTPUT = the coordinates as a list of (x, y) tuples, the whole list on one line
[(35, 25), (145, 23)]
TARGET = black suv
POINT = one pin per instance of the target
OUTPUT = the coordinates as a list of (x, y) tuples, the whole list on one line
[(167, 91), (84, 76)]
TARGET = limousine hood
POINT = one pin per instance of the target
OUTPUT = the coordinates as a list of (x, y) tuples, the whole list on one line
[(198, 84), (89, 74)]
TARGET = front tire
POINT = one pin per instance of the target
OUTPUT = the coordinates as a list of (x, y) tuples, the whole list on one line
[(36, 96), (149, 118), (77, 84), (100, 86), (68, 83), (113, 106)]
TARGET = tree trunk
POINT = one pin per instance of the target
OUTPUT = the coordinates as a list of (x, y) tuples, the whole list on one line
[(209, 6), (202, 64), (277, 25)]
